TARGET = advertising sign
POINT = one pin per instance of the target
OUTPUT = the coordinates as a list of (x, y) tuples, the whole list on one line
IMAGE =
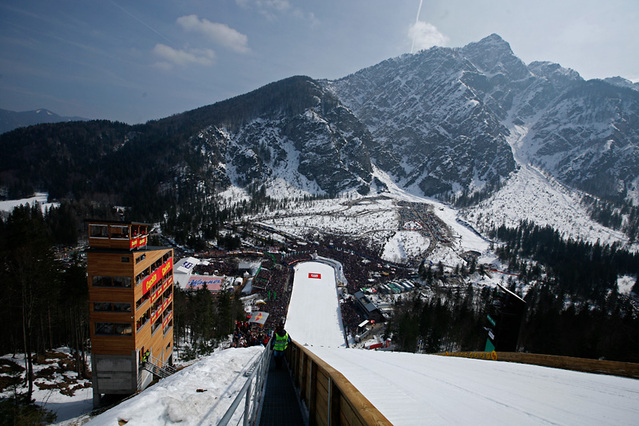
[(157, 275), (258, 317), (197, 282)]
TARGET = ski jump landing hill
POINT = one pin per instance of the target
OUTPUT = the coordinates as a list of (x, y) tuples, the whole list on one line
[(417, 389)]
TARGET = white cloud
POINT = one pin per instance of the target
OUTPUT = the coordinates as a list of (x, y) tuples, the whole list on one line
[(425, 35), (171, 56), (274, 9), (220, 34)]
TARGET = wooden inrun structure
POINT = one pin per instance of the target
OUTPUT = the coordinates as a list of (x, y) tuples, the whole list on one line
[(586, 365), (329, 397)]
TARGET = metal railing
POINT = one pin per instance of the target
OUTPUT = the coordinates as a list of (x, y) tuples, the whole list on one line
[(154, 365), (252, 392)]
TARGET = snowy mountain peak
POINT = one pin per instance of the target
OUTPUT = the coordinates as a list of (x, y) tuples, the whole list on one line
[(552, 70), (493, 55), (444, 118), (622, 82), (492, 42)]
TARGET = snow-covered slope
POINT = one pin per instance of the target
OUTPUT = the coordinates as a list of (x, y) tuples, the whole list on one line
[(39, 198), (418, 389), (197, 395), (530, 195)]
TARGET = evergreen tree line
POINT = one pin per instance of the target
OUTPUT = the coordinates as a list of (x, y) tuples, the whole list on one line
[(573, 307), (196, 220), (555, 325), (576, 267), (620, 215), (202, 319), (43, 300), (456, 321), (452, 320)]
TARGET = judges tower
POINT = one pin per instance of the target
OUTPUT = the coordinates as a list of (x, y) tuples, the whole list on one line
[(130, 307)]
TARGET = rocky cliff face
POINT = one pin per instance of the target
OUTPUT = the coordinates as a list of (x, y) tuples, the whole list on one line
[(439, 115), (588, 137), (315, 145), (456, 120)]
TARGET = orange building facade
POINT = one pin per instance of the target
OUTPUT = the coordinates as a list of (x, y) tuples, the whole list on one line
[(130, 307)]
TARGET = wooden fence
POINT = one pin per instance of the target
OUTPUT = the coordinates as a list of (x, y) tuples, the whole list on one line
[(615, 368), (329, 397)]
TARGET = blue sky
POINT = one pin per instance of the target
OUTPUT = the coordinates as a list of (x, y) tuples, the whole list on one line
[(139, 60)]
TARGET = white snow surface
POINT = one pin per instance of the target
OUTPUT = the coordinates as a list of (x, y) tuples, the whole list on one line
[(39, 198), (176, 399), (64, 406), (403, 246), (314, 317), (415, 389)]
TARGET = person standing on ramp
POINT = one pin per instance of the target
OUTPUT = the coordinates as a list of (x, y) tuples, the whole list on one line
[(279, 344)]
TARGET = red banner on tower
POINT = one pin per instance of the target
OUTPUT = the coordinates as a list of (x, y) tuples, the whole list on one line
[(315, 275), (157, 275)]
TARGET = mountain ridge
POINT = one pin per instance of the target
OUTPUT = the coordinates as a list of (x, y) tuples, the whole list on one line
[(441, 123), (10, 120), (496, 91)]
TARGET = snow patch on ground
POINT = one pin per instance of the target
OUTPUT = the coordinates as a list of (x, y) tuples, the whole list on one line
[(39, 198), (404, 245), (198, 394), (530, 195), (232, 195), (47, 391), (625, 283)]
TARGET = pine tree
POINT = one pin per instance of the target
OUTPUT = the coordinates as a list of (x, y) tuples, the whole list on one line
[(32, 276)]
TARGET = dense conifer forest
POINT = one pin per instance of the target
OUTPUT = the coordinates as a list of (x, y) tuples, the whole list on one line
[(573, 307)]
